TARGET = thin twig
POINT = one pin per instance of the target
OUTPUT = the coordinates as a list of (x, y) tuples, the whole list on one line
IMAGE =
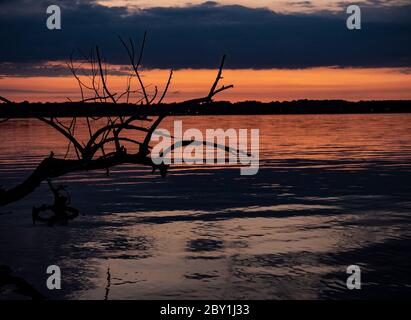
[(167, 86), (102, 76), (131, 55)]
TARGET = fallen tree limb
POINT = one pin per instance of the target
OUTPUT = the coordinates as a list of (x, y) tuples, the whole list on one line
[(92, 153), (53, 167)]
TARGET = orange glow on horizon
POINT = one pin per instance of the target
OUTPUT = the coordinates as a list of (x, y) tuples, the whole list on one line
[(263, 85)]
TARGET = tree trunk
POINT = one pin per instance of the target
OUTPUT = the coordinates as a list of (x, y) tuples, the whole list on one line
[(52, 167)]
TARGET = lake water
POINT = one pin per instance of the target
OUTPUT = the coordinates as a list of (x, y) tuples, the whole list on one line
[(332, 191)]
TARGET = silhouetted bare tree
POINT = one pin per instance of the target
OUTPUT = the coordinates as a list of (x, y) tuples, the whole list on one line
[(105, 145)]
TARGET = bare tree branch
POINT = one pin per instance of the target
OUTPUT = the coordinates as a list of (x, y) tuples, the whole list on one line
[(5, 100), (166, 88), (213, 90), (218, 78), (155, 95), (131, 55), (112, 131), (70, 137), (103, 80)]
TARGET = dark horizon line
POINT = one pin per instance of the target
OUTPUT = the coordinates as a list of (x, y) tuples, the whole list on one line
[(304, 106)]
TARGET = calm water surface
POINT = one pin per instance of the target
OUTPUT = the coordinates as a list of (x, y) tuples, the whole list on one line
[(332, 191)]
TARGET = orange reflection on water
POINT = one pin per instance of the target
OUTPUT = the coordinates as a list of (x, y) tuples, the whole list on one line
[(275, 235), (282, 137)]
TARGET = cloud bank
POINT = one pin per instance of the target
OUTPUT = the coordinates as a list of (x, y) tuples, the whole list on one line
[(196, 36)]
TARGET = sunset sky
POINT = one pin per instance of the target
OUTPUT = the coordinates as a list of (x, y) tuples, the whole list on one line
[(277, 50)]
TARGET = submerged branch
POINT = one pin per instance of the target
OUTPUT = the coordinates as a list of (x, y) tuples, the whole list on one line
[(52, 168)]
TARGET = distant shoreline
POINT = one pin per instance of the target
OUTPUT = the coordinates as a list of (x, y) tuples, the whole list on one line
[(76, 109)]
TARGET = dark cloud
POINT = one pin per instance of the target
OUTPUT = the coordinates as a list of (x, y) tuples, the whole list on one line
[(40, 68), (197, 36)]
